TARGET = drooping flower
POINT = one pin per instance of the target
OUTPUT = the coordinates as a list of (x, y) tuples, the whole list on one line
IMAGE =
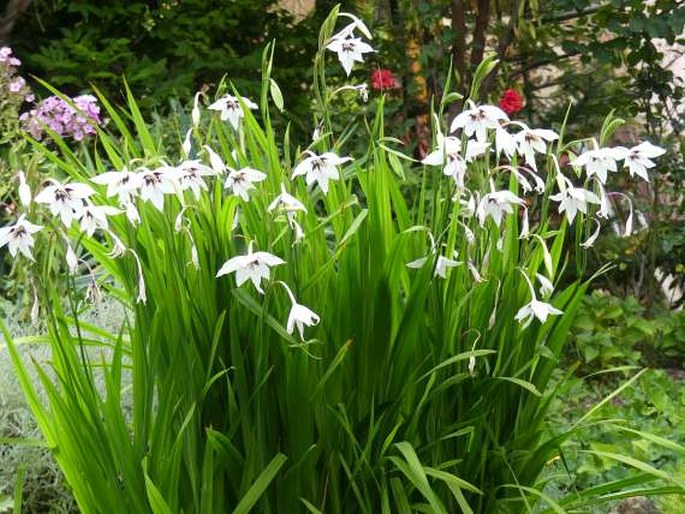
[(441, 266), (123, 184), (242, 181), (65, 200), (231, 110), (349, 50), (253, 266), (478, 119), (287, 202), (300, 315), (19, 237), (600, 161), (320, 168), (383, 78), (511, 101), (535, 309), (638, 158)]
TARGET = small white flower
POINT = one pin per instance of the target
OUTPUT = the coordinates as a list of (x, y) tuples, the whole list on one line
[(286, 202), (300, 316), (496, 205), (505, 142), (131, 213), (94, 217), (600, 161), (190, 176), (195, 113), (231, 110), (123, 184), (252, 266), (532, 141), (320, 168), (215, 161), (157, 183), (573, 199), (546, 286), (72, 259), (19, 237), (242, 181), (186, 146), (349, 50), (441, 266), (478, 120), (535, 309), (638, 160), (65, 200), (591, 240), (449, 154), (24, 190)]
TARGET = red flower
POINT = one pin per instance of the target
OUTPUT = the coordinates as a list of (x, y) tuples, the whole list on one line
[(383, 79), (511, 101)]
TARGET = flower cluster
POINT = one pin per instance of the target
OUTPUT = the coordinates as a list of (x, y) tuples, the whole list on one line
[(77, 121), (382, 79), (13, 89), (485, 132)]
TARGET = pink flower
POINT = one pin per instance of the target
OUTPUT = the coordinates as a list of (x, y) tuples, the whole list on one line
[(62, 118), (511, 101), (382, 79)]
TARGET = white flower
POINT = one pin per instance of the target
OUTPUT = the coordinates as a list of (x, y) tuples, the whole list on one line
[(190, 176), (441, 266), (195, 113), (495, 205), (546, 286), (24, 190), (215, 161), (600, 161), (591, 240), (65, 200), (638, 159), (535, 309), (131, 212), (19, 237), (123, 184), (252, 266), (349, 50), (349, 29), (478, 120), (186, 146), (300, 316), (532, 141), (242, 181), (573, 199), (94, 217), (505, 142), (286, 202), (448, 153), (157, 183), (72, 259), (231, 110), (320, 169)]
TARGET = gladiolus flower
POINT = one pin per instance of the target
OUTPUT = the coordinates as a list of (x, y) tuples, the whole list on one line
[(252, 266), (19, 237)]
